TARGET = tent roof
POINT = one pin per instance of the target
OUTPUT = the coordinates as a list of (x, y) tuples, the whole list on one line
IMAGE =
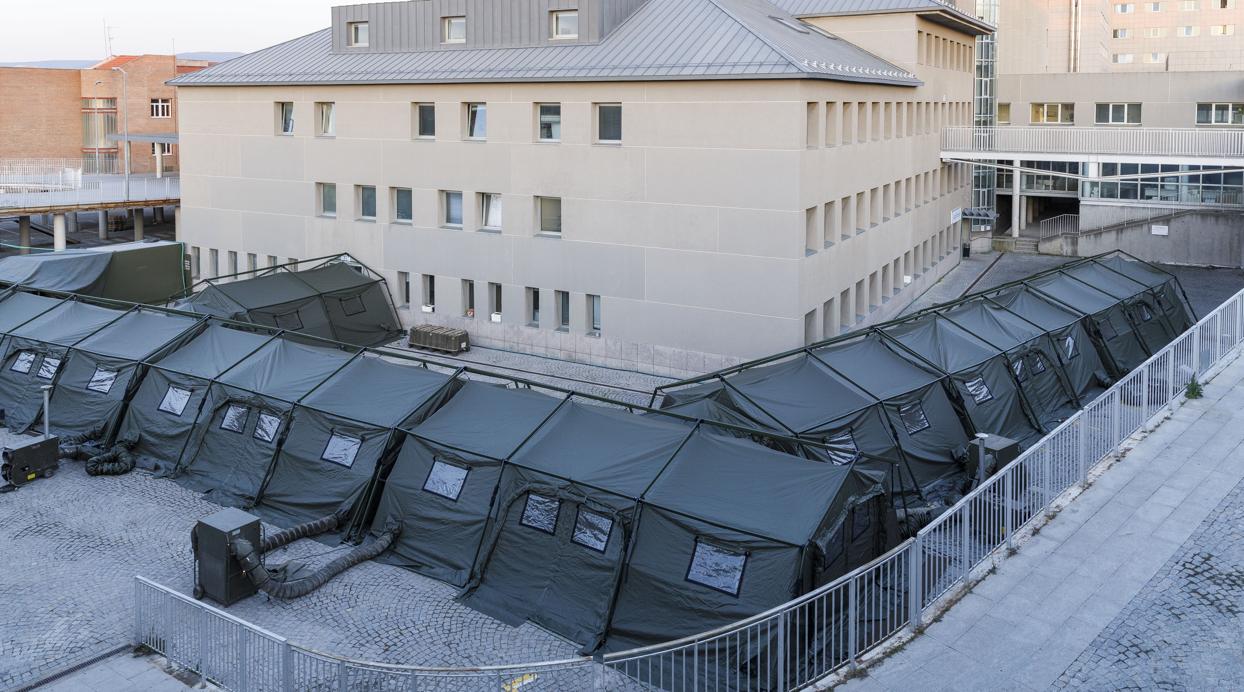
[(263, 291), (1136, 270), (875, 367), (371, 389), (801, 393), (335, 276), (993, 324), (611, 449), (19, 307), (213, 351), (67, 323), (1101, 278), (1035, 308), (285, 370), (138, 334), (71, 271), (941, 342), (1076, 294), (487, 419)]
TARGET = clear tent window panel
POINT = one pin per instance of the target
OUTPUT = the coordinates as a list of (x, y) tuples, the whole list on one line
[(23, 362), (267, 427), (979, 390), (235, 418), (540, 513), (913, 418), (446, 480), (341, 449), (1069, 347), (1038, 363), (48, 368), (842, 448), (1020, 370), (592, 529), (717, 567), (102, 380), (175, 400)]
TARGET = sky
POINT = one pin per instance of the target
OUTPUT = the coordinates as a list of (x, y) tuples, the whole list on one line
[(74, 29)]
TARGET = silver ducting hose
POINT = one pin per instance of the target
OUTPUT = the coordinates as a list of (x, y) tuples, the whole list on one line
[(259, 575)]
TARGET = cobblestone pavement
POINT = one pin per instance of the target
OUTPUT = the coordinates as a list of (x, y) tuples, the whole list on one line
[(71, 546), (1183, 631), (128, 671)]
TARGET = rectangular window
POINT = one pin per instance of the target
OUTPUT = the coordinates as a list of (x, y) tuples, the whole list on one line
[(403, 288), (1220, 114), (913, 417), (446, 480), (1004, 114), (234, 419), (533, 307), (252, 261), (48, 368), (1120, 33), (267, 427), (563, 310), (23, 363), (102, 380), (1118, 114), (717, 567), (1125, 8), (1122, 58), (1189, 5), (291, 320), (1053, 113), (490, 211), (1153, 6), (357, 34), (366, 202), (1155, 32), (1155, 58), (213, 262), (549, 211), (477, 121), (451, 206), (494, 301), (1222, 30), (549, 121), (453, 30), (403, 205), (161, 108), (592, 529), (162, 148), (341, 449), (425, 120), (429, 291), (1187, 31), (540, 513), (325, 119), (196, 262), (565, 24), (593, 315), (326, 199), (979, 390), (468, 298), (175, 400), (609, 123)]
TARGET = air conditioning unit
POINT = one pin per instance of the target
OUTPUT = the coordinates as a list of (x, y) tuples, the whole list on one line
[(428, 308), (26, 459), (218, 575), (495, 317)]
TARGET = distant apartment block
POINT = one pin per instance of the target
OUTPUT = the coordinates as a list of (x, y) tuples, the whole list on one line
[(70, 113), (671, 185)]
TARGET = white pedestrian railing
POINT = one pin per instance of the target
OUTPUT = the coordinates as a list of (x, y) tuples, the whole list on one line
[(792, 646), (1064, 224), (1059, 139), (95, 190), (40, 174)]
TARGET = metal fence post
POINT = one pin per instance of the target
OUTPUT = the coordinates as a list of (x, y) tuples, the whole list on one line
[(781, 651), (139, 611), (287, 666), (915, 564), (1172, 387), (244, 677), (343, 676), (204, 641), (1082, 454), (414, 681), (1116, 427), (1008, 505), (1144, 398), (966, 540), (852, 621), (1196, 351)]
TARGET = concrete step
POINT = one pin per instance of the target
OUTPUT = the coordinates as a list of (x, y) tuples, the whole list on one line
[(1026, 246)]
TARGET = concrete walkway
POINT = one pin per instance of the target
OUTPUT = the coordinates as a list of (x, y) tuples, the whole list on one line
[(1024, 626)]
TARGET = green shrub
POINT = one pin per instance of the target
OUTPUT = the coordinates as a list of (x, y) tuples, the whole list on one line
[(1194, 389)]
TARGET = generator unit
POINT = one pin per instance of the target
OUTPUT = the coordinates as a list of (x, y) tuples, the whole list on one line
[(218, 575), (24, 460), (989, 453), (436, 338)]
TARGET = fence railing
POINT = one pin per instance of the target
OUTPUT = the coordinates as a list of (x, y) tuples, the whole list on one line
[(1058, 139), (1064, 224), (104, 190), (40, 174), (788, 647)]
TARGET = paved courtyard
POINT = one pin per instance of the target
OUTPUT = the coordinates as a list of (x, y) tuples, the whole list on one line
[(1137, 584)]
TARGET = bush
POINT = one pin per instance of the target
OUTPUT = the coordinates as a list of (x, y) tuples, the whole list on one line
[(1194, 389)]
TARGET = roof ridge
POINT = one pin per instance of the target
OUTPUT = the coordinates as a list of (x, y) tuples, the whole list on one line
[(794, 62)]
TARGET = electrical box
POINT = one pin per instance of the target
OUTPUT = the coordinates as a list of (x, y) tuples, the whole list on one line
[(998, 452), (218, 575), (24, 460)]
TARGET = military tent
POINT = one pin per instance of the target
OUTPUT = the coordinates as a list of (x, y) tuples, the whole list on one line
[(1109, 320), (143, 272)]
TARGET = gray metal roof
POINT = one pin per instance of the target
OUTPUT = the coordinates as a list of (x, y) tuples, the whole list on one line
[(663, 40), (948, 8)]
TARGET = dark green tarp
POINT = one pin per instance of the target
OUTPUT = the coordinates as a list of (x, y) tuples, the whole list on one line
[(142, 272)]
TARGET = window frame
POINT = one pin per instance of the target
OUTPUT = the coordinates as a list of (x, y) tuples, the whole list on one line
[(1230, 109), (600, 109), (715, 545), (447, 24), (1060, 109), (21, 360), (555, 17), (225, 418), (325, 118), (43, 363), (282, 121), (466, 474), (574, 533), (105, 385), (490, 203), (409, 219), (540, 123), (979, 390), (259, 427), (360, 199), (185, 402), (919, 408), (446, 195), (353, 34), (161, 108), (472, 114), (321, 208), (1128, 109), (418, 109), (541, 216), (334, 435), (557, 513)]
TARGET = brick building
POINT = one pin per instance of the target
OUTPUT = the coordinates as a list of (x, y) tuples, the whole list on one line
[(69, 114)]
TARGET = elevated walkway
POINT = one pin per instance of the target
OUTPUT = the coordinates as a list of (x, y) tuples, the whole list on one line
[(1102, 144)]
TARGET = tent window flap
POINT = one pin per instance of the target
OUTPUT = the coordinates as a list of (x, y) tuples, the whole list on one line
[(1038, 363), (842, 448), (267, 426), (913, 418), (446, 480), (341, 449), (48, 368), (979, 390), (175, 400), (102, 380), (540, 513), (235, 418), (1069, 347), (353, 306), (1020, 370), (716, 567), (591, 530), (288, 320), (23, 363)]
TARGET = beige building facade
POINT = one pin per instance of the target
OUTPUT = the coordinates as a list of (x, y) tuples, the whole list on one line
[(668, 225)]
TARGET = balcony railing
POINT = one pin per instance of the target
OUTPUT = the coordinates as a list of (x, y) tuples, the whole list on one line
[(1134, 141), (25, 194)]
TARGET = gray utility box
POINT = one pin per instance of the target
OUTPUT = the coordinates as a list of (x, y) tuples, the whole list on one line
[(219, 575), (999, 451), (437, 338), (29, 458)]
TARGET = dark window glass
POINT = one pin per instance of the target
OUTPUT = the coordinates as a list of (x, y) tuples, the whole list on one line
[(353, 305), (842, 448), (427, 120), (609, 122)]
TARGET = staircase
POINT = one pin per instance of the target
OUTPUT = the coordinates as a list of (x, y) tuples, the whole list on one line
[(1021, 245)]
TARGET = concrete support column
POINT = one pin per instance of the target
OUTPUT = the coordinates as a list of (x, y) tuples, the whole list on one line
[(157, 215), (73, 222), (101, 218), (58, 231), (138, 223), (177, 223), (23, 234), (1016, 200)]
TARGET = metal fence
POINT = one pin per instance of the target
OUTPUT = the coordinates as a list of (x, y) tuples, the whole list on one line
[(94, 190), (791, 646), (1063, 224), (40, 174), (1059, 139)]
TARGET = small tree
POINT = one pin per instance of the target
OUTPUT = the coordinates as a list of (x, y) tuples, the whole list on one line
[(1194, 389)]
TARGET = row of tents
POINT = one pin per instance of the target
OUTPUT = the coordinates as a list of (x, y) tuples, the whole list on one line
[(613, 526), (1011, 361)]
